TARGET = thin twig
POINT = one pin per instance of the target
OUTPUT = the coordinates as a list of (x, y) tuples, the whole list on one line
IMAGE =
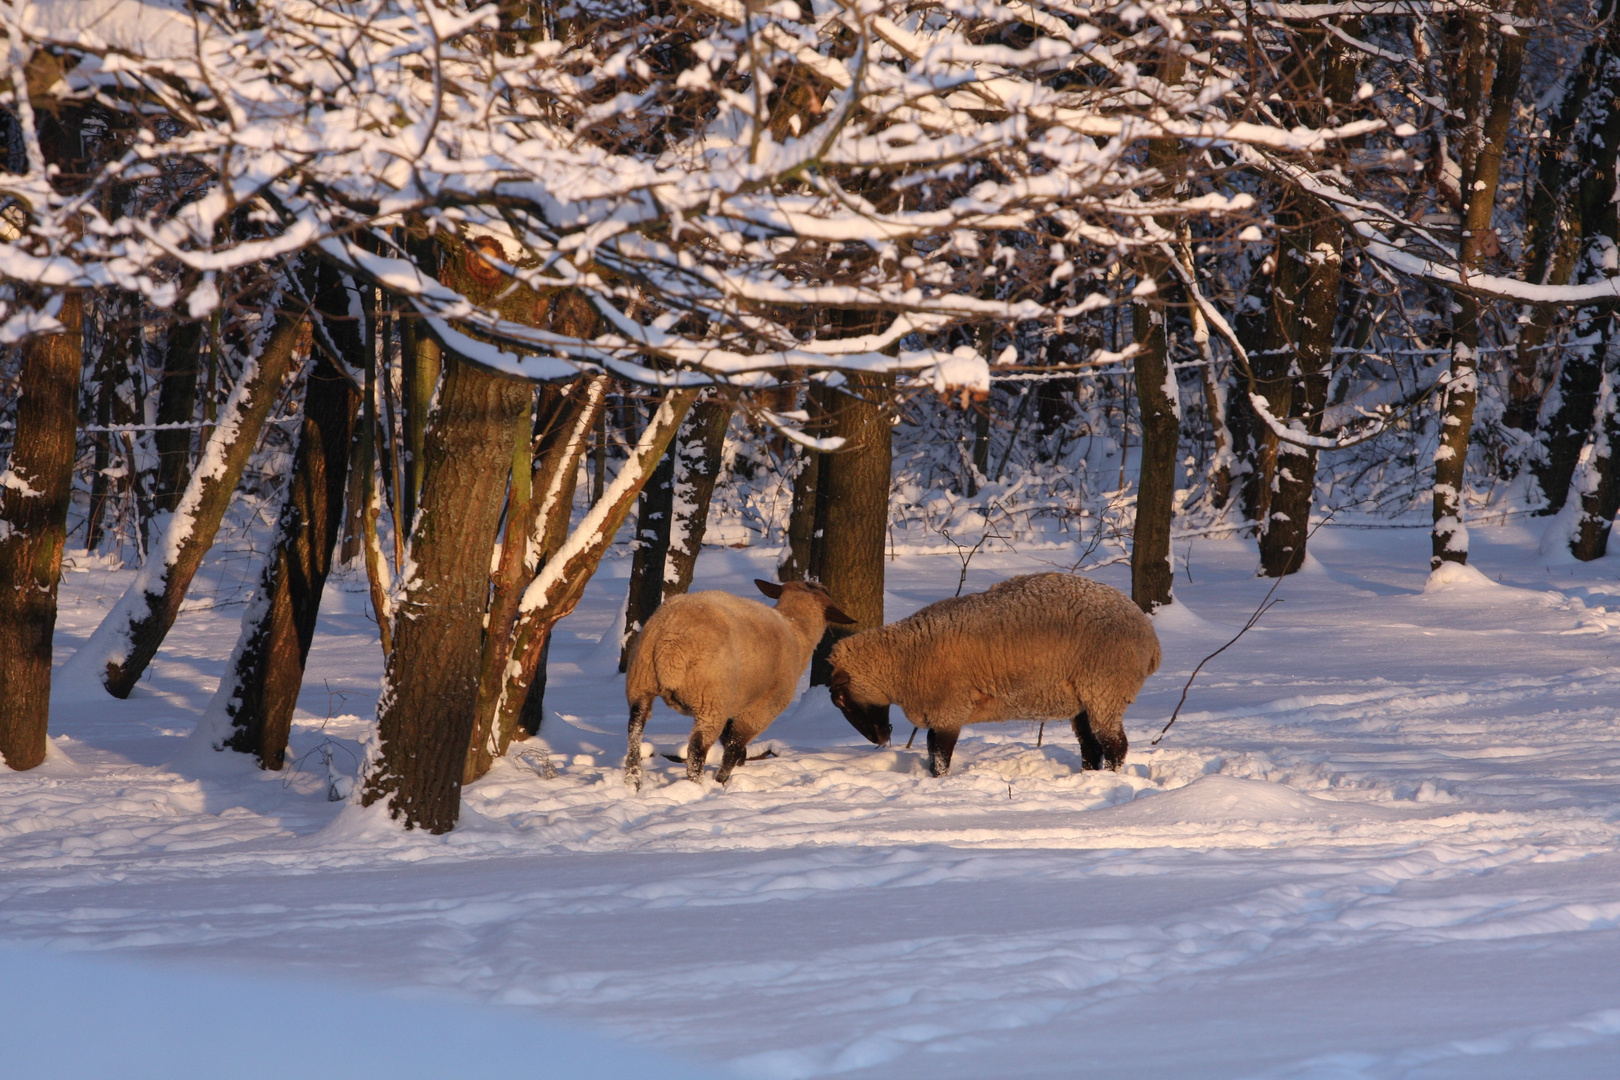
[(1266, 604)]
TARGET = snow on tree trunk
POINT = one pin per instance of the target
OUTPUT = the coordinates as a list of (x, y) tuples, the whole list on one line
[(1487, 117), (117, 653), (511, 698), (260, 688), (672, 516), (697, 468), (1569, 410), (36, 488), (560, 581), (1282, 543), (1597, 483)]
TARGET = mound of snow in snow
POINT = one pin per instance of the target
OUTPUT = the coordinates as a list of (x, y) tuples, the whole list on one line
[(1218, 799), (1451, 575)]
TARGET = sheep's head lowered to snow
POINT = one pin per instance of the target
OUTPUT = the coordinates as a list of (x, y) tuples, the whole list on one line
[(869, 717)]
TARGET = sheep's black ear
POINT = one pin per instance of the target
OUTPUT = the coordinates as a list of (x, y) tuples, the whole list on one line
[(769, 588), (836, 616)]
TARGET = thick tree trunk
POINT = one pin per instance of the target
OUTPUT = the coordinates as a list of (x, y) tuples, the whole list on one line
[(426, 712), (1152, 575), (1157, 395), (1484, 142), (511, 574), (1282, 543), (801, 560), (35, 491), (177, 403), (128, 638), (853, 493), (267, 669)]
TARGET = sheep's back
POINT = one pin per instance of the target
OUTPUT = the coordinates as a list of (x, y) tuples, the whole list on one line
[(1032, 642), (708, 648)]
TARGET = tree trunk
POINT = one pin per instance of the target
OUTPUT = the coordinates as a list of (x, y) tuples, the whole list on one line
[(1484, 141), (653, 515), (675, 509), (511, 574), (267, 669), (801, 561), (1553, 227), (1152, 575), (511, 696), (697, 468), (426, 711), (571, 557), (1157, 395), (1565, 431), (1282, 543), (177, 404), (853, 493), (128, 638), (35, 492), (1599, 494)]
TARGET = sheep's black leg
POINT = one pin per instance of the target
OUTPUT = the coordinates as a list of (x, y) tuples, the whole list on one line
[(697, 750), (940, 746), (1091, 751), (632, 753), (736, 751)]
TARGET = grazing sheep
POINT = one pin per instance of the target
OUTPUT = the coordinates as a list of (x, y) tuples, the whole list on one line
[(1039, 647), (729, 663)]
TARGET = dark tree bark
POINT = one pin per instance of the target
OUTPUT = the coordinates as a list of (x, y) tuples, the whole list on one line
[(653, 515), (35, 491), (1592, 211), (267, 669), (853, 492), (801, 561), (1151, 572), (1287, 525), (426, 713), (1553, 227), (120, 344), (511, 574), (177, 403), (129, 637), (1483, 139)]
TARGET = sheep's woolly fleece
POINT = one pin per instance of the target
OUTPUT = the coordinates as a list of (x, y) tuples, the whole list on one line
[(1380, 842)]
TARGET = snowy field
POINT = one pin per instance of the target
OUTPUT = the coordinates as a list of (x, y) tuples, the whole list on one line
[(1380, 842)]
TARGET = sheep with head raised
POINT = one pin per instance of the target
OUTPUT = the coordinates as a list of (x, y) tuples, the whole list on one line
[(729, 663), (1037, 647)]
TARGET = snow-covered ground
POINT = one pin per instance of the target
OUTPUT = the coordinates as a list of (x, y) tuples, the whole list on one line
[(1380, 842)]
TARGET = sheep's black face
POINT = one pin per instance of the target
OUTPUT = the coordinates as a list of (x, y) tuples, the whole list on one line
[(872, 721)]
